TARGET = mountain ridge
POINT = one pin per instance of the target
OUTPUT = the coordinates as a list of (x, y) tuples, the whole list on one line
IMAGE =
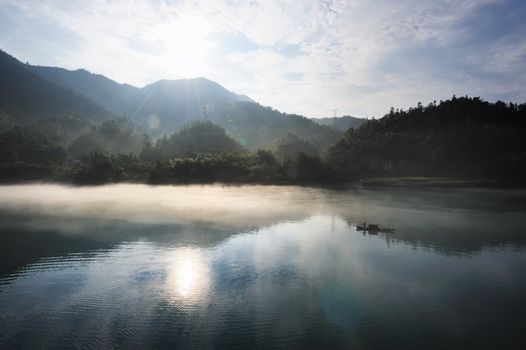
[(165, 106), (342, 123), (28, 97)]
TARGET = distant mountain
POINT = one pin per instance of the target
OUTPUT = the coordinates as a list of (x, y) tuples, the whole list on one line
[(174, 103), (162, 107), (340, 123), (109, 94), (198, 138), (185, 97), (26, 97)]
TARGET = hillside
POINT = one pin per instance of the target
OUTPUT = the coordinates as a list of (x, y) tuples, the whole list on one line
[(26, 97), (461, 137), (174, 103), (109, 94), (197, 138), (255, 126), (165, 106), (340, 123)]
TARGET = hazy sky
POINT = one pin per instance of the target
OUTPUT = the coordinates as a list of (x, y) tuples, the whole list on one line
[(306, 57)]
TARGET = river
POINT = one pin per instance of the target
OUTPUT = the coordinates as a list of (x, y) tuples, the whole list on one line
[(137, 266)]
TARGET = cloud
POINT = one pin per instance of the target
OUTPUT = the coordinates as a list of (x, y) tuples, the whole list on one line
[(304, 57)]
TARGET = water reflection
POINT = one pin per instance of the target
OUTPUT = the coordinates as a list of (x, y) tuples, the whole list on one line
[(188, 275), (218, 273)]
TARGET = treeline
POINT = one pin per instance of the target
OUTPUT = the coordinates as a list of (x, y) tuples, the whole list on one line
[(114, 152), (460, 138), (258, 167)]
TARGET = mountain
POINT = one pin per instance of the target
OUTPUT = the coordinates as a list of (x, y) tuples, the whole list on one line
[(185, 97), (340, 123), (166, 106), (461, 137), (27, 97), (255, 126), (174, 103), (107, 93), (198, 138)]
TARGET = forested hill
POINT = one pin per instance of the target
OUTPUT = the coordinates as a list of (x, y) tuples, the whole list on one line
[(26, 97), (109, 94), (196, 130), (461, 137), (32, 93), (340, 123)]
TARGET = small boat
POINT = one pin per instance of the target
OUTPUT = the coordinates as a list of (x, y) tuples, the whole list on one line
[(373, 228)]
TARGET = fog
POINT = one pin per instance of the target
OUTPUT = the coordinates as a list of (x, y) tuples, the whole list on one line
[(229, 207), (223, 263), (205, 214)]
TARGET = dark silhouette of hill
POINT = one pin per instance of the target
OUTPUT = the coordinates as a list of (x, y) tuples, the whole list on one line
[(109, 94), (197, 138), (179, 100), (340, 123), (290, 145), (461, 137), (174, 103), (457, 139), (26, 97), (165, 106), (255, 126), (68, 117)]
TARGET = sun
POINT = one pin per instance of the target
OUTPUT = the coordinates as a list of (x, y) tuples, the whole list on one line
[(187, 46)]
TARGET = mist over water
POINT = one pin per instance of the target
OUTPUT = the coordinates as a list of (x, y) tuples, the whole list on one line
[(260, 267)]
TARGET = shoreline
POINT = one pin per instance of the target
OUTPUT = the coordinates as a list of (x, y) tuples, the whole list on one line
[(366, 182)]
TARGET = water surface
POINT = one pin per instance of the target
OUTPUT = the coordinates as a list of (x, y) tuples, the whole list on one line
[(135, 266)]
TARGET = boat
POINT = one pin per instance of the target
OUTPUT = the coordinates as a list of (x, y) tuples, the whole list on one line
[(374, 228)]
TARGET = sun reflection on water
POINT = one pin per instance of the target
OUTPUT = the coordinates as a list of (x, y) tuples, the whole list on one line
[(188, 275)]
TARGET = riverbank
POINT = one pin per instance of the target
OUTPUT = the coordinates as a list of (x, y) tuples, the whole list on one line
[(370, 182), (427, 181)]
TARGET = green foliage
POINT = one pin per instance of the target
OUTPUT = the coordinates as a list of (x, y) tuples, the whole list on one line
[(112, 136), (461, 137), (63, 129), (266, 167), (290, 145), (26, 154), (23, 143), (97, 168), (194, 139), (202, 168), (258, 127), (6, 123), (342, 124), (305, 168)]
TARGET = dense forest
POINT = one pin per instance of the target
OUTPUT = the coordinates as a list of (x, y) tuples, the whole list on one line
[(342, 123), (459, 138)]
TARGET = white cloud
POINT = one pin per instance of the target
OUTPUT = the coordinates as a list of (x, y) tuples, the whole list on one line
[(358, 56)]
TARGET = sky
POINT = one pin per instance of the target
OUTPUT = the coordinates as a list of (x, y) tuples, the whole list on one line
[(358, 57)]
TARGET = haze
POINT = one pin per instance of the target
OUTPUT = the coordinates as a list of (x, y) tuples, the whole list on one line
[(359, 57)]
